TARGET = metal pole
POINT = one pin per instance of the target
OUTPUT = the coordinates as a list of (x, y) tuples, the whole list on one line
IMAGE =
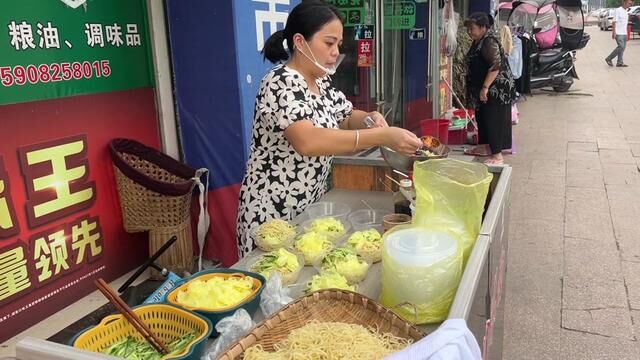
[(164, 88), (434, 56), (379, 55)]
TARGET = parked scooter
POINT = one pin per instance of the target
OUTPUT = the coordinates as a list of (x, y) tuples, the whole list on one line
[(554, 67)]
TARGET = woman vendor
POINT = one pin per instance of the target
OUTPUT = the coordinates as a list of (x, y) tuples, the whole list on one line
[(301, 121)]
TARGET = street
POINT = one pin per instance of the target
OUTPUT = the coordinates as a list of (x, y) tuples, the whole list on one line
[(573, 284)]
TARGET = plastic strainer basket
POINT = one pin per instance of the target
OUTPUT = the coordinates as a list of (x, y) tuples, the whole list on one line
[(155, 195), (166, 321)]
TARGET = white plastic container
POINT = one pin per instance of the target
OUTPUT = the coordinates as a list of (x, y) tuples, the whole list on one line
[(421, 268), (327, 209)]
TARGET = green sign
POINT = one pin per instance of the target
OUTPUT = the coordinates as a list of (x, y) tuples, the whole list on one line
[(399, 15), (49, 49), (352, 11)]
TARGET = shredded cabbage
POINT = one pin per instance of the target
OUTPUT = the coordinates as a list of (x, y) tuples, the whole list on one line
[(346, 263), (216, 292), (313, 246), (280, 260), (331, 227), (328, 280), (368, 240)]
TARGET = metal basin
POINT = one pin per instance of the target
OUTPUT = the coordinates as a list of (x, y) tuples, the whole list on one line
[(402, 162)]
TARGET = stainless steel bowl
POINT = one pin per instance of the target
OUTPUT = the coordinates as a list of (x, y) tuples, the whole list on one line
[(403, 162)]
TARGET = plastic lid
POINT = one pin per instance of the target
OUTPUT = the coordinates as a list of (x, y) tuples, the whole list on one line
[(417, 246)]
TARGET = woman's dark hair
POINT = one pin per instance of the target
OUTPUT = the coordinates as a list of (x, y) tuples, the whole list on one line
[(307, 18), (480, 19)]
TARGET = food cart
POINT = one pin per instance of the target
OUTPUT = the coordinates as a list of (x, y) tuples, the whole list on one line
[(479, 299)]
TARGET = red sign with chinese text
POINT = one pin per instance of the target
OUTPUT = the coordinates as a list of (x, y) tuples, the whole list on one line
[(60, 220), (365, 53)]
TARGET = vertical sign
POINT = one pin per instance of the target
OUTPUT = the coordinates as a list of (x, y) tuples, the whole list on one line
[(364, 38)]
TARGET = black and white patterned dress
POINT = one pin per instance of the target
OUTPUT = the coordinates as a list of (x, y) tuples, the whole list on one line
[(279, 182)]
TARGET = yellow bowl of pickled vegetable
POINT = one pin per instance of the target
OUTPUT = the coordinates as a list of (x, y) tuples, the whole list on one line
[(219, 299), (183, 331)]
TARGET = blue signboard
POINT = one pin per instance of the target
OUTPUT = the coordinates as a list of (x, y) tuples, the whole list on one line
[(217, 69), (254, 22)]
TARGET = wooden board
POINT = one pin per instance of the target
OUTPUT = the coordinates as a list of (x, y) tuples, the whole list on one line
[(363, 177)]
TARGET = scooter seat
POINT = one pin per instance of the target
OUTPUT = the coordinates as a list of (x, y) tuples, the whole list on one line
[(550, 56)]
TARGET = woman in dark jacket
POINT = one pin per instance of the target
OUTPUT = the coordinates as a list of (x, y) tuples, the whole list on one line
[(490, 86)]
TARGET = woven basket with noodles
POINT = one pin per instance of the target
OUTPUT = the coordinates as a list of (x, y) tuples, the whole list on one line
[(155, 195), (324, 306)]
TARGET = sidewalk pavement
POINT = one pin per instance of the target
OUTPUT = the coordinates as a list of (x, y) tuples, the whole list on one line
[(573, 276)]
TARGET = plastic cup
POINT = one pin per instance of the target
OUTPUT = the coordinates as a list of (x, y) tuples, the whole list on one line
[(391, 220)]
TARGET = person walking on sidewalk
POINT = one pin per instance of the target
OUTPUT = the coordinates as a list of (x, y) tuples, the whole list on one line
[(619, 33)]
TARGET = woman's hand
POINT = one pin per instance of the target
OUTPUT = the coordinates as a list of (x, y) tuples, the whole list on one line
[(402, 141), (378, 119), (484, 94)]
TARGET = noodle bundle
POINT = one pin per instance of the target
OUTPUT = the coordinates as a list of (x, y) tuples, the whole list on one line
[(331, 341)]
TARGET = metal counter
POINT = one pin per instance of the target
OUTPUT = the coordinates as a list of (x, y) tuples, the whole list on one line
[(480, 295)]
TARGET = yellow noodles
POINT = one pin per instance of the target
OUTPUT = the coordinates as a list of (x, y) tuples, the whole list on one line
[(331, 341)]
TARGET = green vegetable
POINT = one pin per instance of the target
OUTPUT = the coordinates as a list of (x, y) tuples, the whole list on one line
[(346, 263), (137, 349)]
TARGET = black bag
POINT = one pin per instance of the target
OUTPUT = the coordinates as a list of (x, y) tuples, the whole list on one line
[(503, 88)]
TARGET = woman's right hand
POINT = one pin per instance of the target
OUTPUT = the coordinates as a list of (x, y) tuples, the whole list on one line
[(402, 141)]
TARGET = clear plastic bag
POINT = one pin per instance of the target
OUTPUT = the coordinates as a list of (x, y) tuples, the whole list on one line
[(231, 329), (451, 195), (274, 296)]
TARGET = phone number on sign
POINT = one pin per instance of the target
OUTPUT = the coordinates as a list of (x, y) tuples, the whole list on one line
[(44, 73)]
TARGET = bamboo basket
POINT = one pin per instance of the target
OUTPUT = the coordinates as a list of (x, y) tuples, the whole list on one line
[(155, 195), (325, 306)]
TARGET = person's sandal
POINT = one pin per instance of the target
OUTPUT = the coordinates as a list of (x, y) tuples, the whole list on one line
[(477, 152), (493, 162)]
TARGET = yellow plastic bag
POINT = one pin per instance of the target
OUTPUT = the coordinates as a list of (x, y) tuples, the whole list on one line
[(451, 194), (421, 271)]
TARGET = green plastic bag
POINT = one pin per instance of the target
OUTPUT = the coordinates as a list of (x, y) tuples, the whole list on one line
[(451, 194)]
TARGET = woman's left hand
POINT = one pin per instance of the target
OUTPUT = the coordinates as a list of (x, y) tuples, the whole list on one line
[(378, 120), (484, 95)]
